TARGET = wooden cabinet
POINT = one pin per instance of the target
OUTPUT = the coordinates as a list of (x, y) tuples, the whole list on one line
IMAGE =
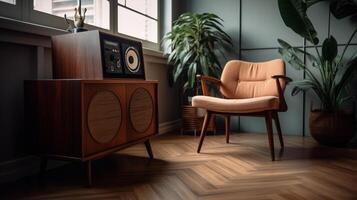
[(87, 119), (75, 118)]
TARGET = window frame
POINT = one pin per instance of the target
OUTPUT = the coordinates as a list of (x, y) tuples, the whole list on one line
[(24, 11), (13, 11)]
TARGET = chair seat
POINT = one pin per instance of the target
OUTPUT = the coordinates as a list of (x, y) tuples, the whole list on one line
[(257, 104)]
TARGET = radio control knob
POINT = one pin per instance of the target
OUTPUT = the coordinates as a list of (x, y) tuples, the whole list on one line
[(112, 57)]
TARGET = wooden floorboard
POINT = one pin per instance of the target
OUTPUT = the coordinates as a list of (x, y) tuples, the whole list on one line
[(239, 170)]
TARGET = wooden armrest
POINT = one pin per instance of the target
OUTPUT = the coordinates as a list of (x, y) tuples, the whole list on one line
[(208, 78), (287, 79), (203, 80), (283, 106)]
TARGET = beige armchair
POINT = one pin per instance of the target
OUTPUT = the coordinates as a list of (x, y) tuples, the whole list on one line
[(248, 89)]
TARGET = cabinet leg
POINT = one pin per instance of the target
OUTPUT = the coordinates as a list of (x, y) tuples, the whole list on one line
[(43, 167), (148, 149), (89, 172)]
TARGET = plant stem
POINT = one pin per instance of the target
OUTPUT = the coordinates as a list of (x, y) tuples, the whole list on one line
[(315, 47), (348, 43)]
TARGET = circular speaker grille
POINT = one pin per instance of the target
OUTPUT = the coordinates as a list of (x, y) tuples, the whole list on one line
[(132, 59), (104, 116), (141, 110)]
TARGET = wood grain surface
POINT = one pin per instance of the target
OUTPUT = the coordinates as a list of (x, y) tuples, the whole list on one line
[(239, 170), (104, 116), (141, 109)]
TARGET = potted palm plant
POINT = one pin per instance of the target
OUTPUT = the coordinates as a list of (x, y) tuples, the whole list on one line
[(330, 124), (194, 44)]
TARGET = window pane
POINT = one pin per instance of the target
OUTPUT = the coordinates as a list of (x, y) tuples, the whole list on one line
[(121, 2), (148, 7), (97, 10), (9, 1), (136, 25)]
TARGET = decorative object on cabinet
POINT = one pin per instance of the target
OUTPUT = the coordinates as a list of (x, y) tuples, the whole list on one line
[(79, 19), (83, 120)]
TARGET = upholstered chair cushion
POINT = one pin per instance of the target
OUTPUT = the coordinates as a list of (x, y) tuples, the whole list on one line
[(241, 80), (257, 104)]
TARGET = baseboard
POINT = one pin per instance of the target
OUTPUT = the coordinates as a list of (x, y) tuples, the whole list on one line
[(169, 126), (13, 170)]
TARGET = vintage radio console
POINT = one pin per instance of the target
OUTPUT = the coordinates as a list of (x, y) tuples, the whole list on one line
[(98, 103)]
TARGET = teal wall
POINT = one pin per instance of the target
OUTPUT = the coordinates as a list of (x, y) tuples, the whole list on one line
[(255, 26)]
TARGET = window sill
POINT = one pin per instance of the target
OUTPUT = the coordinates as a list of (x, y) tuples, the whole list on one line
[(153, 56), (27, 27), (46, 32)]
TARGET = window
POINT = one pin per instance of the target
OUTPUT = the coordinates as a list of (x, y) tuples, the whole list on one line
[(142, 13), (9, 1), (139, 19), (97, 10)]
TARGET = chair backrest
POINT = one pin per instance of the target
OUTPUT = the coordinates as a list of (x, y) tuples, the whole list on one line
[(241, 80)]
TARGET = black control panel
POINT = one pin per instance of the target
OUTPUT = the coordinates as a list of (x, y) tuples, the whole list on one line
[(112, 57)]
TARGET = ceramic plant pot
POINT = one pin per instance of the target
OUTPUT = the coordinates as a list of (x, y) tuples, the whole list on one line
[(332, 128)]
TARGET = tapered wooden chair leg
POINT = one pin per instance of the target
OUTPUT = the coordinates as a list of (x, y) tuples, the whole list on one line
[(148, 149), (204, 129), (278, 128), (227, 127), (268, 122)]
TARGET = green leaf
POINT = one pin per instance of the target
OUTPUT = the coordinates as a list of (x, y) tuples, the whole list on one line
[(329, 49), (293, 13), (343, 75), (308, 55), (186, 57), (309, 3), (178, 71), (192, 75), (290, 55), (204, 65), (196, 41), (343, 8), (300, 86)]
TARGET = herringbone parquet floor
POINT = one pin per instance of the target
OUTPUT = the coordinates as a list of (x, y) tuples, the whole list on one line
[(240, 170)]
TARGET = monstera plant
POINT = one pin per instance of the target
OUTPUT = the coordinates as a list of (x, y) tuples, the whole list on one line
[(194, 45), (330, 72)]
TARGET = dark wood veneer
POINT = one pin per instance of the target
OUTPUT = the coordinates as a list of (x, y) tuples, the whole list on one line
[(58, 117), (77, 56)]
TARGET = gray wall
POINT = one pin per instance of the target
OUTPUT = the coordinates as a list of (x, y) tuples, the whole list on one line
[(255, 26)]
